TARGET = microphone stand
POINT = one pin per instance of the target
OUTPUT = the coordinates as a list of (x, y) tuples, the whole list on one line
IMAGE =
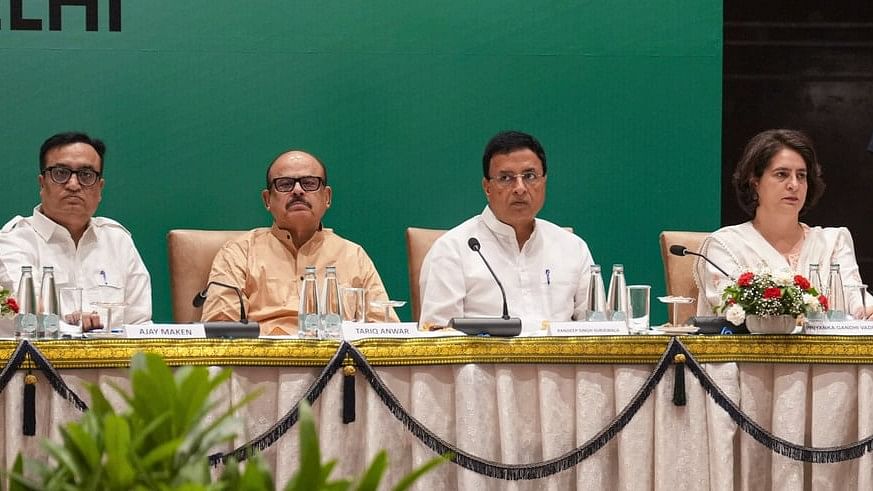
[(484, 326), (228, 329)]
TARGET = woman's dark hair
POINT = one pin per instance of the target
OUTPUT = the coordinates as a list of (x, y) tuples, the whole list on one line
[(756, 157)]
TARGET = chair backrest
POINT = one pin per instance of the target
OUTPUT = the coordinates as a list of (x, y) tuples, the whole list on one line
[(678, 270), (418, 242), (190, 255)]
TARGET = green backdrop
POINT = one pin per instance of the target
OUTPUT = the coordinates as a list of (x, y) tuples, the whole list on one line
[(195, 98)]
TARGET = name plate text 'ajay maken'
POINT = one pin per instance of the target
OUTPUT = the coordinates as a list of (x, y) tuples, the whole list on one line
[(165, 331)]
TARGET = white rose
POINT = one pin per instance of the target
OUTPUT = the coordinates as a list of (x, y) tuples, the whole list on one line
[(735, 314), (811, 303), (784, 278)]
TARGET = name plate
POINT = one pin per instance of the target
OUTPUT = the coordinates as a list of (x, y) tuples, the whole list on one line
[(593, 328), (360, 330), (168, 331), (838, 328)]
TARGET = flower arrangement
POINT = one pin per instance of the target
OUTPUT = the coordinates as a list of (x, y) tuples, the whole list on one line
[(766, 293), (8, 305)]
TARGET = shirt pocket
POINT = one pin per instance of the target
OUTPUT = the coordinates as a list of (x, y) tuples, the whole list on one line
[(558, 292)]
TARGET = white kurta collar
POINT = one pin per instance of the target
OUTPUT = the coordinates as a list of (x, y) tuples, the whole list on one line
[(502, 230), (46, 227)]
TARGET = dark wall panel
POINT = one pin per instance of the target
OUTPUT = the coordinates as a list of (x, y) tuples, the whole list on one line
[(807, 67)]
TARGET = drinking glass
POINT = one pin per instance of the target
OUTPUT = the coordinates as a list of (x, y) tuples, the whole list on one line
[(862, 289), (70, 310), (354, 304), (386, 305), (108, 301), (638, 308)]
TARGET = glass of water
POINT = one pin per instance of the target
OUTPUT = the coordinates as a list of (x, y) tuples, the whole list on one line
[(354, 304), (862, 290), (638, 308), (108, 302), (70, 310)]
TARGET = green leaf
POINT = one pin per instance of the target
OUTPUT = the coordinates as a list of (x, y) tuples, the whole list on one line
[(17, 481), (119, 470), (373, 475), (409, 479), (308, 475), (256, 477), (163, 452), (340, 485), (99, 405)]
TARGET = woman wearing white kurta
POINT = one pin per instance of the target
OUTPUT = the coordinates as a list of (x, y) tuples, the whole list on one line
[(777, 179)]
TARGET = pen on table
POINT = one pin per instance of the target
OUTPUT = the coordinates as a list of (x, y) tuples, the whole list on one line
[(548, 277)]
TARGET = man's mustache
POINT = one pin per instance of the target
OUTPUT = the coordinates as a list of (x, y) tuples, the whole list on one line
[(293, 201)]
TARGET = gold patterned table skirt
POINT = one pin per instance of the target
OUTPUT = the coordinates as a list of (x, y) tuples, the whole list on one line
[(116, 353)]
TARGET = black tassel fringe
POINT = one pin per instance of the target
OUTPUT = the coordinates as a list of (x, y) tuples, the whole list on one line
[(54, 378), (815, 455), (267, 438)]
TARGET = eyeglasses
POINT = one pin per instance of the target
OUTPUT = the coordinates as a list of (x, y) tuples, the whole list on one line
[(61, 174), (507, 180), (308, 183)]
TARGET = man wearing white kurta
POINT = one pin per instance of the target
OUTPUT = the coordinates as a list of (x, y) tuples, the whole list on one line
[(92, 253), (543, 267)]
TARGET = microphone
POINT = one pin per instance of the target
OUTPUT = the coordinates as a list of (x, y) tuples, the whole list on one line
[(200, 298), (474, 244), (708, 324), (502, 326), (680, 250)]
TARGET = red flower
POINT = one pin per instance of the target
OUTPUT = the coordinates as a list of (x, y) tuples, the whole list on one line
[(823, 300), (772, 293), (802, 282), (731, 301), (745, 279), (12, 304)]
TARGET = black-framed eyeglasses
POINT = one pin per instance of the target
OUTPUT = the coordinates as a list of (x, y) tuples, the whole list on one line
[(506, 180), (308, 183), (61, 174)]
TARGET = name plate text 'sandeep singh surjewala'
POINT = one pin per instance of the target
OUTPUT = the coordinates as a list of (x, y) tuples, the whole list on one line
[(165, 331), (593, 328), (361, 330), (838, 328)]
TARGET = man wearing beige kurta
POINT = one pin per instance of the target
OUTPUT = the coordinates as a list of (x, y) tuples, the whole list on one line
[(267, 264)]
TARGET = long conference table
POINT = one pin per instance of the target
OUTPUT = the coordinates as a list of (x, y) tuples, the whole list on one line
[(519, 402)]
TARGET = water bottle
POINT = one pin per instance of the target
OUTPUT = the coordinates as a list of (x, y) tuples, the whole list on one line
[(616, 300), (815, 281), (596, 296), (331, 314), (48, 319), (25, 320), (308, 320), (836, 295)]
